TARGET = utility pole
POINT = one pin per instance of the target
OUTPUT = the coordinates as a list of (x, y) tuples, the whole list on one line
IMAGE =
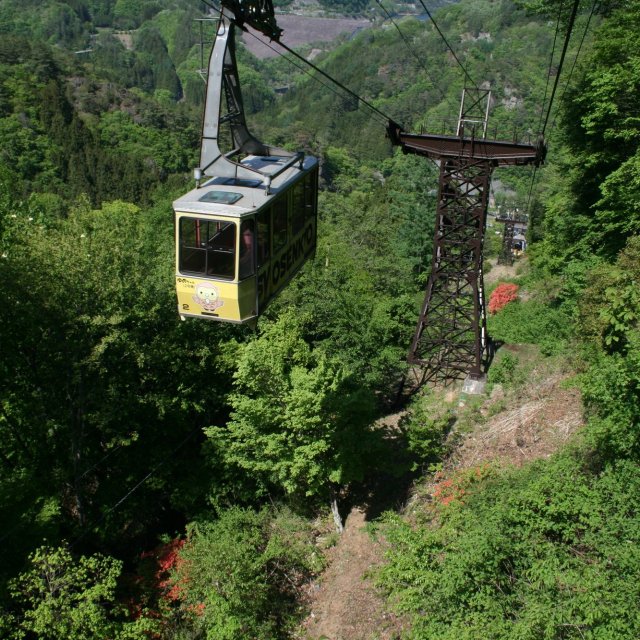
[(450, 340)]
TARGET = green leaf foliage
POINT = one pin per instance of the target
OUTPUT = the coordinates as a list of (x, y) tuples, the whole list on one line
[(100, 375), (104, 393), (546, 552), (300, 422), (595, 202), (64, 597), (241, 575), (426, 425), (531, 322)]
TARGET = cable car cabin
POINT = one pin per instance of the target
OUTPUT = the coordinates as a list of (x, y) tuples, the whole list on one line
[(238, 243)]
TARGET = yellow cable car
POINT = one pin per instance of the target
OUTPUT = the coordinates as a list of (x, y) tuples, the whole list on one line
[(238, 244), (244, 232)]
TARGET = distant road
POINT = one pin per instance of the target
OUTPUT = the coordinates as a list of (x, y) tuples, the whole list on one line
[(299, 30)]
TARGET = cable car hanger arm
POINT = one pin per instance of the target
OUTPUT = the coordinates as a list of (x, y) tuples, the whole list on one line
[(223, 92)]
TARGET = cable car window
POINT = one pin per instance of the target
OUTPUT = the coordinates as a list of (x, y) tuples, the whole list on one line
[(263, 236), (247, 249), (279, 224), (221, 249), (297, 213), (207, 247), (193, 255), (220, 197), (309, 194)]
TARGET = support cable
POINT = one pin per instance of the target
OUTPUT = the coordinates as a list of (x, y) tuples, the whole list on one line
[(572, 19), (575, 61), (533, 179), (296, 65), (553, 52), (384, 118), (435, 24), (97, 464), (131, 491), (123, 498), (412, 51)]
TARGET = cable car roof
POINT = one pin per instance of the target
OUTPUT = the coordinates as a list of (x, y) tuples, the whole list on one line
[(236, 197)]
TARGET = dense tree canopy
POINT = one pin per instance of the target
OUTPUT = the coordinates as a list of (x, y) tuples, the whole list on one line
[(122, 427)]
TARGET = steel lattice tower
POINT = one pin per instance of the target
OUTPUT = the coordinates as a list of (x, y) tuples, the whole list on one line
[(451, 340)]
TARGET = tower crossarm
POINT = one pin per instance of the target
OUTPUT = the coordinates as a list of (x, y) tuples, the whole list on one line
[(497, 152)]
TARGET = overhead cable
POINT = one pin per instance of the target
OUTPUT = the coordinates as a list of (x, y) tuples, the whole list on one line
[(296, 65), (385, 118), (138, 484), (124, 497), (97, 464), (375, 110), (572, 19), (575, 60), (553, 52), (533, 179), (435, 24), (412, 51)]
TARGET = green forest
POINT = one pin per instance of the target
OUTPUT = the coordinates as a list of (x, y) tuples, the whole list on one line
[(168, 479)]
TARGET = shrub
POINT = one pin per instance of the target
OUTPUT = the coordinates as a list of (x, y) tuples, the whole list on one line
[(501, 296), (62, 596), (503, 371), (241, 576), (426, 425), (534, 323), (547, 551)]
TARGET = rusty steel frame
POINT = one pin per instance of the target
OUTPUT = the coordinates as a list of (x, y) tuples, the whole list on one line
[(451, 338)]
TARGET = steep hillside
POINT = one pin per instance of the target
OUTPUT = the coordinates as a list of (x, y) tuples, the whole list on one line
[(175, 479)]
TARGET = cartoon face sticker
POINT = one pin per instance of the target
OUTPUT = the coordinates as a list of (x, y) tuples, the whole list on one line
[(207, 296)]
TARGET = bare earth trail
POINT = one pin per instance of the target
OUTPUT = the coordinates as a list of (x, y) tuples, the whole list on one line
[(344, 604)]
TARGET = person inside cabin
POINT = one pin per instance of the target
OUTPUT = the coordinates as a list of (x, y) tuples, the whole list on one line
[(247, 253)]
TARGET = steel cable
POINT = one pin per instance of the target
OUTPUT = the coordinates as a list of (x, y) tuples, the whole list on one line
[(435, 24), (572, 19), (553, 52), (131, 491), (384, 118), (575, 60), (412, 51)]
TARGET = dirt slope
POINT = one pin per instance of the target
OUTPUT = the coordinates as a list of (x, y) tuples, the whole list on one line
[(512, 427), (344, 603)]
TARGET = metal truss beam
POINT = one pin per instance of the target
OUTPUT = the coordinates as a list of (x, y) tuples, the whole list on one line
[(499, 153), (451, 337)]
